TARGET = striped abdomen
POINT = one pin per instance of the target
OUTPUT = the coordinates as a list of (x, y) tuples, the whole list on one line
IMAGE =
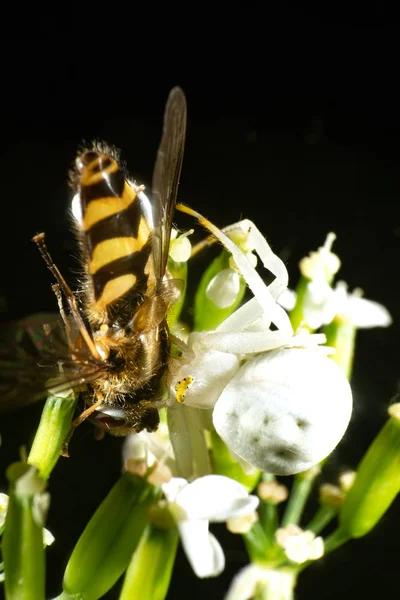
[(116, 235)]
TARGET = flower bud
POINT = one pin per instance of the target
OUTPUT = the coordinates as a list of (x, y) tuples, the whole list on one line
[(151, 566), (331, 495), (22, 545), (105, 547), (54, 426), (377, 482), (272, 492)]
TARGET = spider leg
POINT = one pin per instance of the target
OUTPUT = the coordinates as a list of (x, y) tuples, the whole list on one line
[(260, 290)]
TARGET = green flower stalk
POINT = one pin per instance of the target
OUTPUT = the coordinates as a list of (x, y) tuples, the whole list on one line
[(301, 490), (53, 430), (341, 335), (151, 566), (331, 498), (22, 546), (377, 482), (296, 314), (271, 494), (106, 546)]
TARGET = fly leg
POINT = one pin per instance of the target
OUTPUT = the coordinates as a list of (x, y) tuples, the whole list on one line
[(69, 296), (82, 417)]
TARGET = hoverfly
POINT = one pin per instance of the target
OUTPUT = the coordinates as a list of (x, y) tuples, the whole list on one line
[(115, 342)]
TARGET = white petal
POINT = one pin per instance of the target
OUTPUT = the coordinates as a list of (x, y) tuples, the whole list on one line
[(366, 313), (287, 299), (284, 411), (201, 548), (173, 487), (135, 447), (3, 502), (216, 498), (180, 249), (320, 304), (224, 288), (244, 584), (48, 537)]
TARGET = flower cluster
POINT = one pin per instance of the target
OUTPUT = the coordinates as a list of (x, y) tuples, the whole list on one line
[(252, 393)]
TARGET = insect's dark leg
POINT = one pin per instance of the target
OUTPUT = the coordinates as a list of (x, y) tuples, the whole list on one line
[(57, 291), (82, 417), (69, 296)]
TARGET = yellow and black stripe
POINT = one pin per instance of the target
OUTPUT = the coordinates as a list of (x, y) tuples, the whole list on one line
[(117, 237)]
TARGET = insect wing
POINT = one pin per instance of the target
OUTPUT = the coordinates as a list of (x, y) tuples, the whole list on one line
[(166, 176), (35, 357)]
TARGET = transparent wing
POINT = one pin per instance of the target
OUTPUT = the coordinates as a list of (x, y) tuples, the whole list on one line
[(35, 357), (166, 175)]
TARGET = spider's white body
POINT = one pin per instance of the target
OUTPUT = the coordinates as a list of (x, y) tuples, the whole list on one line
[(279, 402)]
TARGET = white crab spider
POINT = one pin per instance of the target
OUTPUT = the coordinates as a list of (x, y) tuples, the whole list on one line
[(279, 402)]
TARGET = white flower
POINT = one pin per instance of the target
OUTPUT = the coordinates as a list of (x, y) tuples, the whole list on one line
[(359, 311), (258, 581), (323, 264), (224, 288), (322, 304), (48, 537), (143, 451), (299, 545), (213, 498), (180, 247)]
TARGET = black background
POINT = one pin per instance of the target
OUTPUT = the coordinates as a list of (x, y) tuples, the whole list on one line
[(293, 123)]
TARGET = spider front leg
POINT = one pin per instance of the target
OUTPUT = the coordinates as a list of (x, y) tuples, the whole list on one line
[(262, 292)]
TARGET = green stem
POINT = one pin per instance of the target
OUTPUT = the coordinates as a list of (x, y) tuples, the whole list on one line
[(336, 539), (268, 515), (22, 547), (201, 458), (54, 426), (324, 515), (342, 336), (300, 492), (256, 543), (296, 315), (151, 567)]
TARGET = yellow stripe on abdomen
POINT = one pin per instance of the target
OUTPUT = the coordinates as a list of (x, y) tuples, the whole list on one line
[(100, 209), (109, 250), (114, 289)]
